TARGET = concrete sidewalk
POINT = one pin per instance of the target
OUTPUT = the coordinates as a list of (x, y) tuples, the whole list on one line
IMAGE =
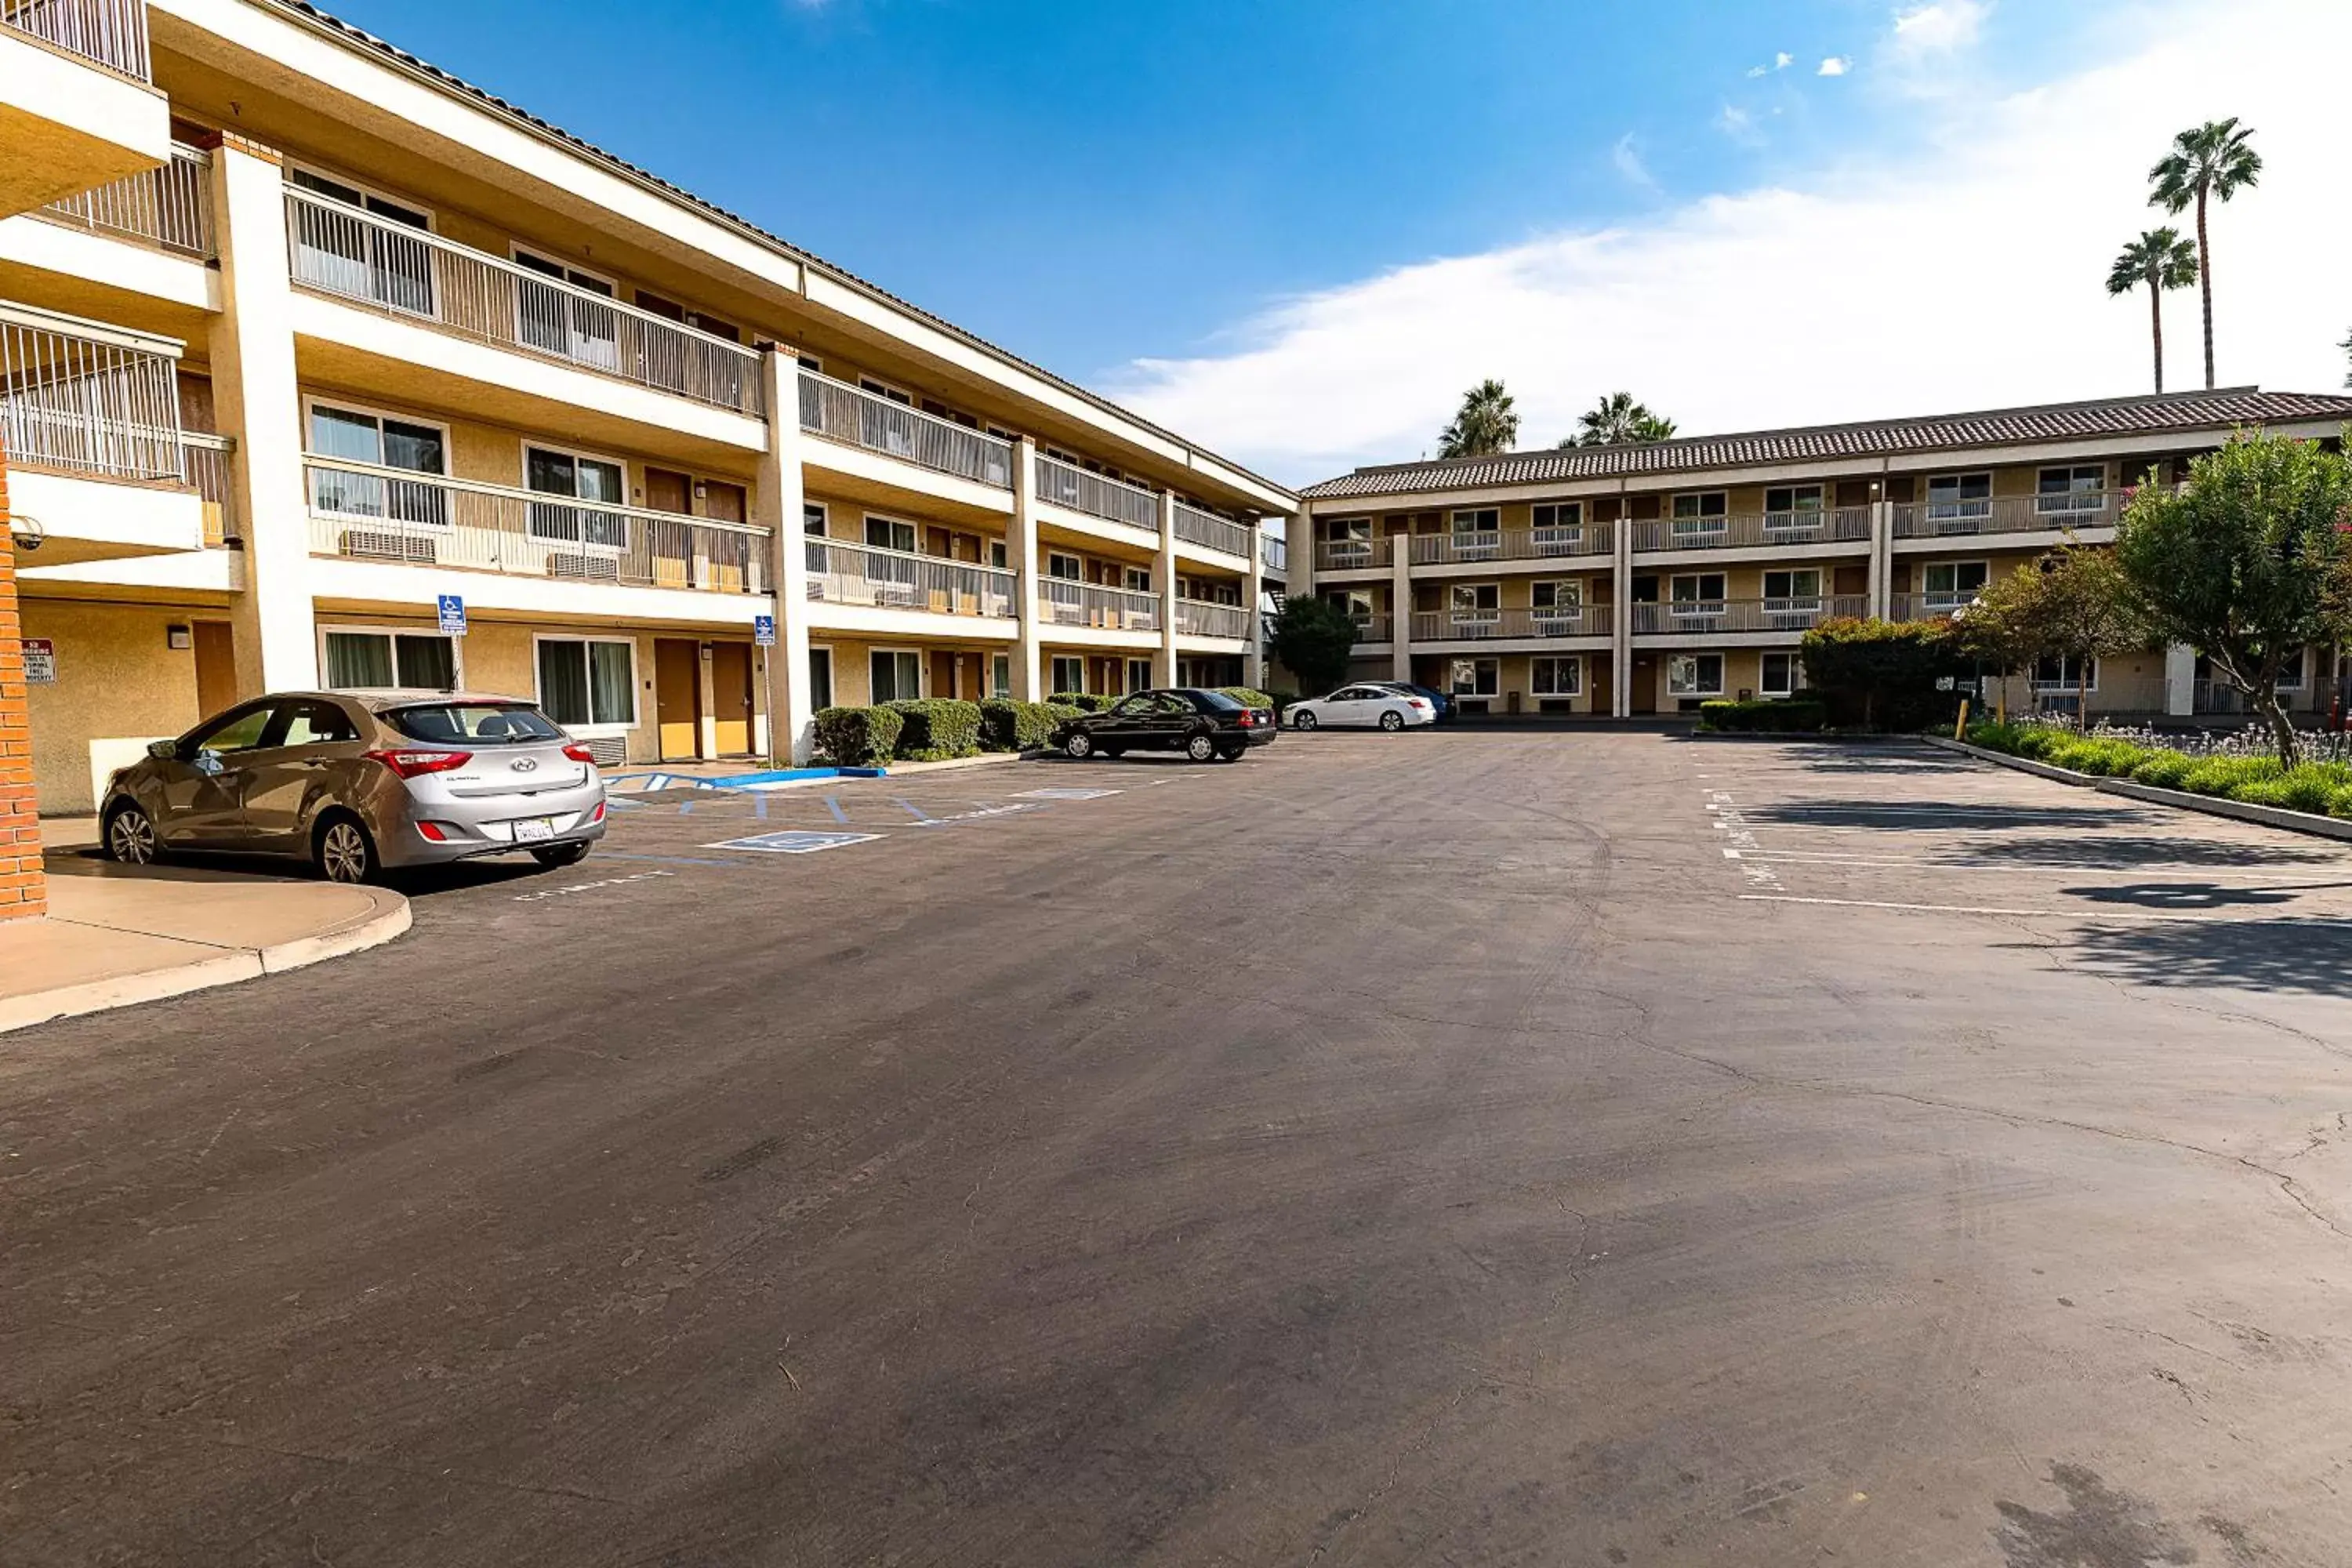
[(115, 935)]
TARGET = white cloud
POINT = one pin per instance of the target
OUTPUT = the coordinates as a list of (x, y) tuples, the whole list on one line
[(1628, 160), (1939, 27), (1780, 62), (1835, 65), (1739, 124), (1967, 275)]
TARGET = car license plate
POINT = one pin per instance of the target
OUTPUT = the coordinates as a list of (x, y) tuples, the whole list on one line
[(527, 828)]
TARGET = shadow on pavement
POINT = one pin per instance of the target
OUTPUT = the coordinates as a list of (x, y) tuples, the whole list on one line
[(2179, 895), (2118, 853), (2308, 957), (1915, 814)]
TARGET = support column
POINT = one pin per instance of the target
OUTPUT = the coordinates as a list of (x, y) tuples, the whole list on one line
[(1021, 547), (2179, 680), (258, 400), (1400, 608), (1253, 591), (1620, 611), (777, 504), (1163, 661), (1882, 557), (23, 887)]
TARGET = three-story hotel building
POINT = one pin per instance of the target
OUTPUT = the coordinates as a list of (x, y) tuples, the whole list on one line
[(299, 336), (1618, 581)]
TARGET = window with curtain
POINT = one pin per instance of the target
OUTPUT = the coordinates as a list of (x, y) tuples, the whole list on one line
[(895, 677), (380, 442), (588, 681), (587, 480), (416, 661)]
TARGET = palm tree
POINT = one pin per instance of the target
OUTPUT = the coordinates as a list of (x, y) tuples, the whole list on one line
[(2346, 346), (1487, 424), (1618, 421), (2215, 160), (2161, 259)]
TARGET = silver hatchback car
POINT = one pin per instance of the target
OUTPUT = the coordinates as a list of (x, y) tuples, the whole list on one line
[(359, 781)]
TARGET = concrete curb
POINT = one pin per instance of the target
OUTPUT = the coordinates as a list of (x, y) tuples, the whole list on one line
[(390, 919), (2236, 810), (905, 770)]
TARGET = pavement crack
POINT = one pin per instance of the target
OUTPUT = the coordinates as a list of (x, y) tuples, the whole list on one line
[(416, 1472)]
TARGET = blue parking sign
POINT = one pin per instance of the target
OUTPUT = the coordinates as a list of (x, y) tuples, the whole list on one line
[(764, 630), (453, 616)]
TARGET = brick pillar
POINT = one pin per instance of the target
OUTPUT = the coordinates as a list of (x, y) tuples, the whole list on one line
[(24, 891)]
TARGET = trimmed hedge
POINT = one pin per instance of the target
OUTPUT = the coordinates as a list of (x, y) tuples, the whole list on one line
[(1248, 696), (1084, 702), (2318, 788), (1769, 715), (936, 727), (858, 737), (1009, 726)]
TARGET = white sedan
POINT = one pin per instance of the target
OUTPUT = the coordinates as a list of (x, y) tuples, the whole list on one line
[(1364, 706)]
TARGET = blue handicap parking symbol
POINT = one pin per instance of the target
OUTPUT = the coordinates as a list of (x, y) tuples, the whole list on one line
[(793, 841)]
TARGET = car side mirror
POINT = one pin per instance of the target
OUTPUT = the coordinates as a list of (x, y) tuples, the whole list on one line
[(163, 751)]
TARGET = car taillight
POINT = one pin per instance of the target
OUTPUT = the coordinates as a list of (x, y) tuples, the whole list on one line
[(1247, 721), (432, 831), (579, 753), (412, 764), (1422, 703), (599, 817)]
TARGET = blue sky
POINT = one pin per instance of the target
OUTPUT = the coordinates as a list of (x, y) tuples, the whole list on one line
[(1115, 189)]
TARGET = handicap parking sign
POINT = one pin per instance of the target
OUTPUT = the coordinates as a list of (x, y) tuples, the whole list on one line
[(453, 616), (764, 630)]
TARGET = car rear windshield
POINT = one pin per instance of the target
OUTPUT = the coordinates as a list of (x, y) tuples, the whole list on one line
[(1217, 702), (474, 723)]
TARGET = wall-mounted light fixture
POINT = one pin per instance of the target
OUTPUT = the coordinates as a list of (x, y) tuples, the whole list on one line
[(180, 637)]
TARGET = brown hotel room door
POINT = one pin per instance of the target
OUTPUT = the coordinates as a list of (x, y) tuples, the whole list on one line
[(730, 696), (678, 697)]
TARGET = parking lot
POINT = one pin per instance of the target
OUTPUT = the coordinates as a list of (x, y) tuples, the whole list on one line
[(1470, 1147)]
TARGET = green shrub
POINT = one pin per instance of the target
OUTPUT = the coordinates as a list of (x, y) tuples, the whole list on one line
[(1994, 736), (857, 737), (2310, 787), (1009, 726), (2036, 742), (2225, 777), (1248, 696), (2165, 770), (1770, 715), (938, 728), (2102, 759), (1084, 702), (2340, 802)]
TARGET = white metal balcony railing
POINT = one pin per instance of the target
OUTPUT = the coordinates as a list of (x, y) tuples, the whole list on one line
[(1511, 544), (364, 511), (1096, 495), (80, 395), (840, 411), (407, 273), (1206, 618), (846, 573), (113, 33), (1928, 606), (1485, 626), (1211, 531), (1839, 526), (1351, 554), (1062, 602), (170, 206), (2005, 514), (1273, 552), (203, 467), (1372, 627), (1684, 617)]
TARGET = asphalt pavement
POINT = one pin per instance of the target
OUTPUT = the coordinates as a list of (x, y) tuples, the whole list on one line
[(1468, 1148)]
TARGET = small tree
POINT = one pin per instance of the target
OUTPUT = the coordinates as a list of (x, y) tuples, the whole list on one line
[(1312, 638), (2071, 606), (2247, 562), (1881, 673), (2002, 627)]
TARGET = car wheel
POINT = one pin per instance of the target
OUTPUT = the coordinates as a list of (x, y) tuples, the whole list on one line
[(556, 856), (1302, 721), (1079, 746), (1113, 753), (342, 851), (1391, 720), (1231, 754), (130, 836), (1201, 748)]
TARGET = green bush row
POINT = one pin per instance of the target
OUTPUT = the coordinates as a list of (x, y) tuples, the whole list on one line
[(858, 737), (1084, 702), (2319, 788), (934, 729), (938, 728), (1009, 726), (1778, 715)]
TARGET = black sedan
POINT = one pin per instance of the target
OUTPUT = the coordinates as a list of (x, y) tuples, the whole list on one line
[(1201, 724)]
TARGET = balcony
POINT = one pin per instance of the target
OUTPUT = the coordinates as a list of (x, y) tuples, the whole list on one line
[(855, 417), (75, 106), (2006, 514), (169, 207), (1703, 617), (1205, 618), (1494, 625), (1926, 606), (1352, 554), (1770, 530), (1372, 629), (1511, 544), (360, 511), (412, 276), (1274, 554), (860, 576), (1077, 490), (1063, 604), (1210, 532), (91, 418)]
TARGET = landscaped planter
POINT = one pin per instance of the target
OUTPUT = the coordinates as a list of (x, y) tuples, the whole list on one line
[(2212, 806)]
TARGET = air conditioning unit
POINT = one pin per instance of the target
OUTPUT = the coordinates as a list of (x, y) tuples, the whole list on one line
[(389, 544), (586, 568)]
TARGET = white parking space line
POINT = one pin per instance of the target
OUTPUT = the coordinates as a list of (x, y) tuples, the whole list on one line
[(2083, 913), (1738, 840)]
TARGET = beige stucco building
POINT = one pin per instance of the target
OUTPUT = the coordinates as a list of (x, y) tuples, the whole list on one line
[(1619, 580), (302, 337)]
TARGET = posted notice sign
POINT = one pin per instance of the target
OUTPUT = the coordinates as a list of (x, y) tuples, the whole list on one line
[(453, 616), (764, 630), (40, 661)]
